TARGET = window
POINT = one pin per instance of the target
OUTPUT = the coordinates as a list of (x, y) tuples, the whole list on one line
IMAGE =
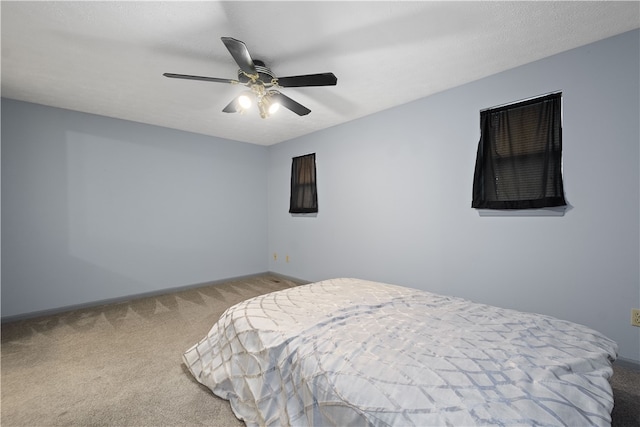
[(304, 195), (519, 160)]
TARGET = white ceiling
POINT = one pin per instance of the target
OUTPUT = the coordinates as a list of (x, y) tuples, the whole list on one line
[(107, 58)]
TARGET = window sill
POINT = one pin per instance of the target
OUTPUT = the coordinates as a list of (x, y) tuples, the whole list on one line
[(554, 211), (304, 215)]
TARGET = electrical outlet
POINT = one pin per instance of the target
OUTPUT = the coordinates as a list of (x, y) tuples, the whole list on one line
[(275, 256), (635, 317), (287, 259)]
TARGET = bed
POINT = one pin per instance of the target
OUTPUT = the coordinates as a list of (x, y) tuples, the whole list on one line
[(355, 352)]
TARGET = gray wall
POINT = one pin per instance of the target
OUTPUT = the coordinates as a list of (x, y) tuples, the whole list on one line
[(95, 208), (395, 194)]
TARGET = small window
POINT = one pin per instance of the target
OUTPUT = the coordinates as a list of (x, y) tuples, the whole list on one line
[(304, 195), (519, 160)]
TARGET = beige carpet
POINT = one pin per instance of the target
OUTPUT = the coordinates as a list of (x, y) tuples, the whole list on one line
[(120, 364)]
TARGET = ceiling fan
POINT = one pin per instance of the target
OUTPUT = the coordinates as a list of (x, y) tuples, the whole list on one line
[(261, 83)]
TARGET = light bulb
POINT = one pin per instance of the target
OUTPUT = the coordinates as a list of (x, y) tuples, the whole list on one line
[(244, 101), (273, 107), (271, 102)]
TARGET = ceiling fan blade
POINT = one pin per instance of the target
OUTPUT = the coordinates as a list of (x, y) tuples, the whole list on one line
[(289, 103), (240, 53), (232, 107), (206, 79), (322, 79)]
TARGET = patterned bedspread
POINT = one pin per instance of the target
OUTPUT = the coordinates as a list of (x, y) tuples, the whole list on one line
[(353, 352)]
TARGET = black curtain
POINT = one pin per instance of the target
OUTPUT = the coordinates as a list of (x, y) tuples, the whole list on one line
[(304, 195), (519, 159)]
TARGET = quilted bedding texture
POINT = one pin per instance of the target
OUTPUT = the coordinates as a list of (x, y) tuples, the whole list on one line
[(354, 352)]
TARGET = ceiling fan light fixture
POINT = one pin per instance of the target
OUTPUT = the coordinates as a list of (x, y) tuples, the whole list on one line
[(244, 100), (264, 110), (272, 106), (266, 103)]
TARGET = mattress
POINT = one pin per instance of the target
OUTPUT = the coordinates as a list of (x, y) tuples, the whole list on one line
[(355, 352)]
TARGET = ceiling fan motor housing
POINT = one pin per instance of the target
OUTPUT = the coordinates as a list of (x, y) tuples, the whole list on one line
[(265, 75)]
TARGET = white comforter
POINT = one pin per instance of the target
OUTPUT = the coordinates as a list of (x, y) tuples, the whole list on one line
[(353, 352)]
